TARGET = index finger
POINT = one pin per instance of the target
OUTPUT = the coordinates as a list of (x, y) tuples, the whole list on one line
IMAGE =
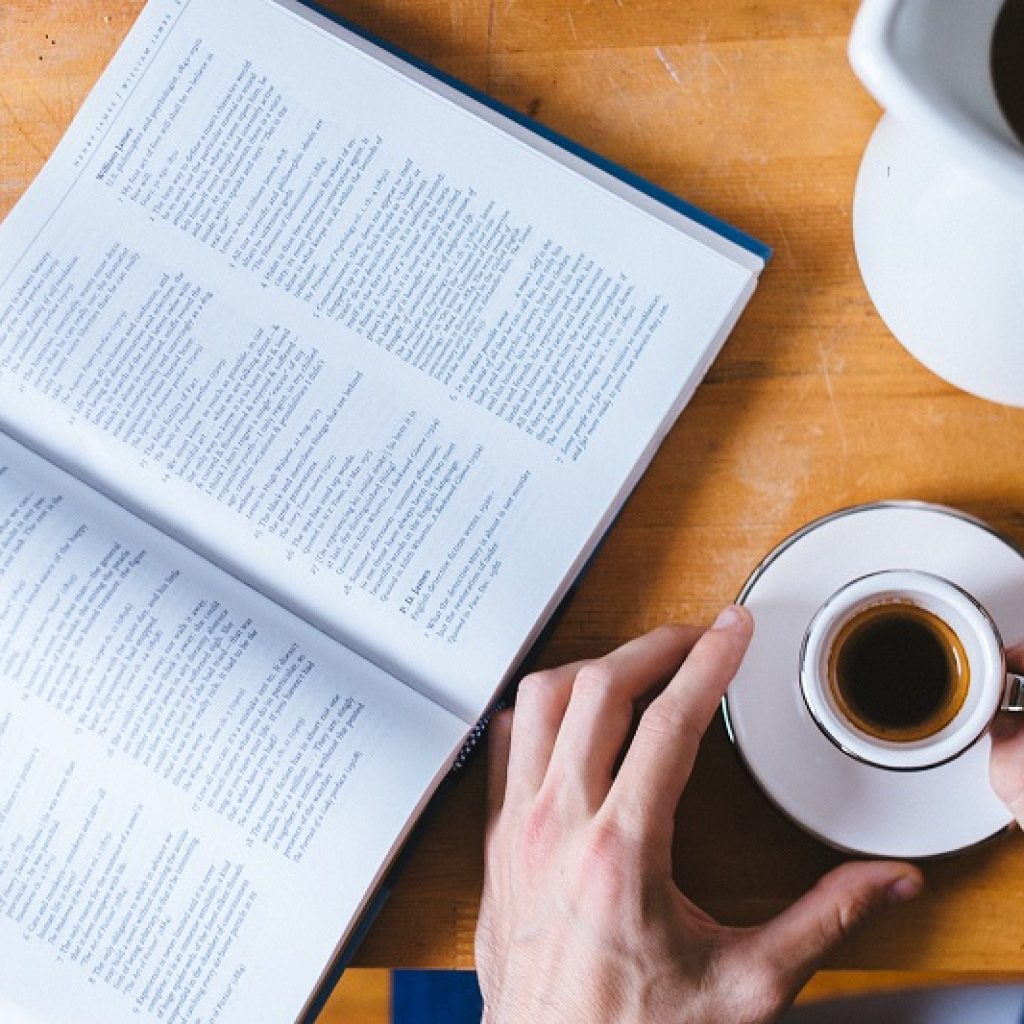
[(658, 763)]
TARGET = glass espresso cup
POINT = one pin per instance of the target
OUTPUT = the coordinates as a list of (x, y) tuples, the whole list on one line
[(905, 670)]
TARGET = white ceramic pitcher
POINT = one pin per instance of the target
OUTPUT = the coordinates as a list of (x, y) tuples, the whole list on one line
[(938, 213)]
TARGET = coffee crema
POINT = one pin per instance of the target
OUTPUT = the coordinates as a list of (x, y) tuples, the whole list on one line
[(898, 672)]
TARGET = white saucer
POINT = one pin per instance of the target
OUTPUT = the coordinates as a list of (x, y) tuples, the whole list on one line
[(853, 806)]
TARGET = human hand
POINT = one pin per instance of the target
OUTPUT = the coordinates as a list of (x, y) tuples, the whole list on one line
[(1006, 766), (580, 919)]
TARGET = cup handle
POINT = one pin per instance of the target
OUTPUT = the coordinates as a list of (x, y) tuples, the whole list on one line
[(1013, 693)]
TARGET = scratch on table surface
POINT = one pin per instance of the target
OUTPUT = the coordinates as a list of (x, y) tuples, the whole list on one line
[(19, 127), (572, 25), (826, 373), (668, 65), (623, 100), (785, 246), (788, 254), (51, 116), (775, 471), (709, 51)]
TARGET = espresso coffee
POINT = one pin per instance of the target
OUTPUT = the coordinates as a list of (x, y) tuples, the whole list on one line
[(898, 672), (1008, 64)]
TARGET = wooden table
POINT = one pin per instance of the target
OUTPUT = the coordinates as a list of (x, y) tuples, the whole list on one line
[(749, 109)]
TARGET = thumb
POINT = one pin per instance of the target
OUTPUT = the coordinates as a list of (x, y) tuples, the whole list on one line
[(1006, 767), (795, 942), (1006, 764)]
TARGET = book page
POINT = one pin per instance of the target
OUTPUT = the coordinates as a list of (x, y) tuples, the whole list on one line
[(391, 365), (187, 768)]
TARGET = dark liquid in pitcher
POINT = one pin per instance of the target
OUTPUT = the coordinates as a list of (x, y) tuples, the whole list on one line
[(1008, 64)]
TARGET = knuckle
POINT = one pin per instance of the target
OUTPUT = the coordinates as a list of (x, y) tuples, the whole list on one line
[(539, 691), (753, 987), (666, 719), (538, 829), (605, 844), (594, 679), (535, 684), (716, 654), (633, 826), (677, 632), (847, 916), (765, 997), (606, 859), (844, 911)]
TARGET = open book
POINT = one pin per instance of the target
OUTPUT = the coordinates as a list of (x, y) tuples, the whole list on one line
[(320, 380)]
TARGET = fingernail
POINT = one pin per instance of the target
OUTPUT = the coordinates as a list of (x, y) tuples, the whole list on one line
[(728, 618), (904, 889)]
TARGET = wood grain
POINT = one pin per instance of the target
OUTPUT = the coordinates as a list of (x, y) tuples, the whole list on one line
[(748, 109)]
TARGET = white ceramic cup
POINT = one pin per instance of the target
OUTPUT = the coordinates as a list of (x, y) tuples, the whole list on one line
[(938, 212), (989, 686)]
